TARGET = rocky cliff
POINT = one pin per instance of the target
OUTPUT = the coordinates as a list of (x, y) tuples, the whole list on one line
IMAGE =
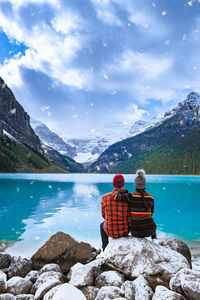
[(15, 121)]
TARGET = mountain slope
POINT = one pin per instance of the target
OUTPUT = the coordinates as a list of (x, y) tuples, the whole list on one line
[(178, 133)]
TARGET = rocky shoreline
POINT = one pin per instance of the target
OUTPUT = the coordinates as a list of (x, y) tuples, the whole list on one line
[(131, 268)]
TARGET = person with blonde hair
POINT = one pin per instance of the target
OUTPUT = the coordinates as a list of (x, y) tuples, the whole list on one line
[(141, 206)]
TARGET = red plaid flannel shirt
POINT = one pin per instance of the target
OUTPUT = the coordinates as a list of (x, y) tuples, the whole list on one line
[(116, 214)]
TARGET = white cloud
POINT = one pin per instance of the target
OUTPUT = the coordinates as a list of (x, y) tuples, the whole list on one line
[(106, 12)]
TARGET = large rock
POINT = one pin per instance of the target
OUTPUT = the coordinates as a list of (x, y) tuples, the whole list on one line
[(50, 267), (3, 285), (32, 276), (5, 260), (19, 267), (24, 297), (80, 275), (135, 256), (162, 293), (17, 285), (137, 289), (110, 292), (176, 245), (63, 250), (51, 292), (187, 283), (112, 278), (68, 291)]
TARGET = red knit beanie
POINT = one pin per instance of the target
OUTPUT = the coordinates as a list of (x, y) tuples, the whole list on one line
[(118, 181)]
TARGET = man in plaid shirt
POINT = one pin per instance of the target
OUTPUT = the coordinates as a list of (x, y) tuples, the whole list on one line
[(116, 213)]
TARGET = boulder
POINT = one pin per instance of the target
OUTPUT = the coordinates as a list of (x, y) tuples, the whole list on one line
[(80, 275), (24, 297), (49, 267), (5, 260), (137, 289), (139, 256), (187, 283), (163, 293), (7, 296), (112, 278), (45, 287), (18, 285), (176, 245), (45, 277), (63, 250), (19, 267), (68, 291), (110, 292), (3, 285), (90, 292), (32, 276)]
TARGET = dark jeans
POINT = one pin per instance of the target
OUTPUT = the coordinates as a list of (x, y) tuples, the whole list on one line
[(104, 237)]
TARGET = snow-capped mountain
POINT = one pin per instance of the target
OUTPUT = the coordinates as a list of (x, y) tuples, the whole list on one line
[(52, 139)]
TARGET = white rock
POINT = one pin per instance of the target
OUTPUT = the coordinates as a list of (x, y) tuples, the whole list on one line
[(80, 275), (135, 256), (111, 292), (32, 276), (51, 292), (46, 276), (24, 297), (45, 287), (187, 283), (50, 267), (68, 291), (112, 278), (137, 289), (3, 284), (7, 296), (18, 285), (162, 293)]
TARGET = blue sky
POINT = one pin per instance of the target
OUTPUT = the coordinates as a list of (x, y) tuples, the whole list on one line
[(78, 65)]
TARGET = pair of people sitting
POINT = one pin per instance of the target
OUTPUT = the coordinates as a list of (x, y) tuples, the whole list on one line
[(127, 212)]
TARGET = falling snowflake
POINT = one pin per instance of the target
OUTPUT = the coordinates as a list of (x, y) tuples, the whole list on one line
[(105, 44), (153, 4), (92, 104), (163, 13), (43, 108), (93, 130), (98, 168), (184, 37), (190, 3), (49, 113), (167, 42), (13, 111), (129, 24), (105, 76), (50, 186), (37, 238), (113, 93)]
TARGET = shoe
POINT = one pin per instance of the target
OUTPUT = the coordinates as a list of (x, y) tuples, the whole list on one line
[(100, 255)]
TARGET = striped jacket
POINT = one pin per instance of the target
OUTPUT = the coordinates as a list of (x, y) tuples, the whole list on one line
[(116, 214), (142, 223)]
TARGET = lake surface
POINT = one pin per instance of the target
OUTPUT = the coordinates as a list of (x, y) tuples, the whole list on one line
[(35, 206)]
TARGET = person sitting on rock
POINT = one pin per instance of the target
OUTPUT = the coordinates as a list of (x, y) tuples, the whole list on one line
[(115, 212), (142, 207)]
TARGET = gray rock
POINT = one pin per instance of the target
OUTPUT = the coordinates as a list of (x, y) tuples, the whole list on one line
[(139, 256), (50, 267), (24, 297), (110, 292), (90, 292), (7, 296), (112, 278), (162, 293), (3, 285), (19, 267), (18, 285), (63, 250), (68, 291), (187, 283), (5, 260), (176, 245), (80, 275), (32, 276), (44, 277), (137, 289), (45, 287)]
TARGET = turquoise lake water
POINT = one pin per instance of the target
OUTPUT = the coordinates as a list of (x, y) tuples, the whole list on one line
[(35, 206)]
